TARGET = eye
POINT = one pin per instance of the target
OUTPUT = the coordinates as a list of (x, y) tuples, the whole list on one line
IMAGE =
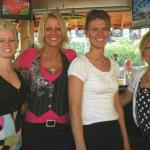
[(8, 41), (147, 48), (104, 29), (58, 29), (12, 40), (48, 29), (1, 40), (94, 29)]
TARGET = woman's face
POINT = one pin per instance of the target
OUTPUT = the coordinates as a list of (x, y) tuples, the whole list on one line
[(146, 53), (53, 33), (8, 44), (97, 33)]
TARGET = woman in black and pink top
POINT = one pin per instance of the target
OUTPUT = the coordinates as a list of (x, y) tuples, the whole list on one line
[(45, 69)]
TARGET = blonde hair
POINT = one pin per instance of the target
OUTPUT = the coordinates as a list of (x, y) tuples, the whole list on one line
[(5, 24), (41, 31), (145, 39)]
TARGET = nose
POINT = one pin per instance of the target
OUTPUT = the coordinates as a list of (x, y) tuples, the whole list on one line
[(53, 31), (6, 42), (101, 32)]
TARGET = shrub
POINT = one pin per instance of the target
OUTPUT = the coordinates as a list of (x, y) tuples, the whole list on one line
[(122, 49)]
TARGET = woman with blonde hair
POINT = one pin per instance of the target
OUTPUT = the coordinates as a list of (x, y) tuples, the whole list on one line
[(45, 69), (12, 90), (139, 92)]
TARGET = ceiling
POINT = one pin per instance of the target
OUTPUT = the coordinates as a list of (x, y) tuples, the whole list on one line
[(45, 5), (75, 11)]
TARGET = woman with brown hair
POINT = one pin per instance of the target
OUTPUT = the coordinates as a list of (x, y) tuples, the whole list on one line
[(96, 114)]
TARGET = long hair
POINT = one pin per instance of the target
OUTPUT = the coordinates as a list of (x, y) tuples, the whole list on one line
[(41, 31)]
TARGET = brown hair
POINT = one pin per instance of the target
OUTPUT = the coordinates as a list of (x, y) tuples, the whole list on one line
[(98, 14)]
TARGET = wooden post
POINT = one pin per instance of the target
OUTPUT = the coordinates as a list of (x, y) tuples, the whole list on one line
[(26, 34)]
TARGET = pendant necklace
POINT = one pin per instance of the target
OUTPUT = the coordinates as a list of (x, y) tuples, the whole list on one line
[(52, 68)]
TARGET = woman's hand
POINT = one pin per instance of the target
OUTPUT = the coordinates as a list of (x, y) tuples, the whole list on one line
[(24, 108), (122, 122), (127, 145), (81, 147), (75, 90)]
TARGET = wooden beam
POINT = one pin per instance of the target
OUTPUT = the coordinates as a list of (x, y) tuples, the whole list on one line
[(26, 33)]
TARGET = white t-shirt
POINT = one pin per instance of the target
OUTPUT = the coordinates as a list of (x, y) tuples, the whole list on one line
[(98, 90)]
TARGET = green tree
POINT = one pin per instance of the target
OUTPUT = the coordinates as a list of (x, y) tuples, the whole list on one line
[(123, 49)]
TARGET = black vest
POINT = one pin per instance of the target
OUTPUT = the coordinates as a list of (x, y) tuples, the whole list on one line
[(45, 95)]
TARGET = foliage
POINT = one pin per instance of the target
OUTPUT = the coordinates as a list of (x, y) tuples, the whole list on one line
[(124, 49), (79, 47), (121, 49)]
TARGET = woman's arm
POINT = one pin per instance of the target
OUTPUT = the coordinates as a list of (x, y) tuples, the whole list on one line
[(16, 63), (24, 60), (121, 119), (75, 90), (126, 97)]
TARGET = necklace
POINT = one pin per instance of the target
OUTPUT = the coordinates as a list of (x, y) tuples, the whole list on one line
[(52, 70), (52, 65)]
